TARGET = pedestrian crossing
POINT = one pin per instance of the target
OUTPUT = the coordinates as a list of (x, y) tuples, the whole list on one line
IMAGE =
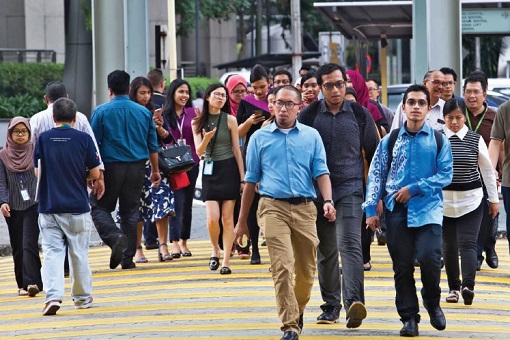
[(183, 299)]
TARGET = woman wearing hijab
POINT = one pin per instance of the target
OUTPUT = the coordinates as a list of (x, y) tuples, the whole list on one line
[(237, 89), (19, 207), (357, 82)]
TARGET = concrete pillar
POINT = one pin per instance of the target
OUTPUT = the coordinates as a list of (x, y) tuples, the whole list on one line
[(136, 24), (108, 44), (419, 44)]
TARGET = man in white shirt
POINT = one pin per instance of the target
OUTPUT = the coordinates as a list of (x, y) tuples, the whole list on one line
[(434, 81)]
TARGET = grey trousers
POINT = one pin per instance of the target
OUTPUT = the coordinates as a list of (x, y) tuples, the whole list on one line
[(344, 236)]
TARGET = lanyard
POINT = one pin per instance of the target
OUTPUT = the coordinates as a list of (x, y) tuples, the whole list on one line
[(479, 123), (183, 115), (20, 177), (64, 126)]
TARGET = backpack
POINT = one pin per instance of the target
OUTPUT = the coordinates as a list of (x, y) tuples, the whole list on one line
[(393, 138)]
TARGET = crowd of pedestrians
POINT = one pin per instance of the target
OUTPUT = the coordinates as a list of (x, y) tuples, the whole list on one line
[(318, 166)]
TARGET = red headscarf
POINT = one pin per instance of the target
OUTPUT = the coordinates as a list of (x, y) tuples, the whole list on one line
[(361, 88), (18, 157), (232, 82)]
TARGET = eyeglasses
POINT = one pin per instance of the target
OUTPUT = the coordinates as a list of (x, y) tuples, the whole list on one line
[(421, 102), (288, 105), (329, 86), (372, 89), (449, 83), (239, 92), (282, 82), (219, 94), (438, 82), (473, 92), (19, 132)]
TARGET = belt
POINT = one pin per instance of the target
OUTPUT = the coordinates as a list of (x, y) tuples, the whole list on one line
[(292, 200)]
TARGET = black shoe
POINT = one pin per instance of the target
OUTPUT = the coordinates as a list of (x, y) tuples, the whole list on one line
[(128, 265), (468, 296), (255, 258), (356, 314), (492, 258), (300, 322), (214, 263), (117, 250), (66, 274), (381, 238), (150, 246), (225, 271), (330, 314), (410, 328), (290, 335), (479, 264), (437, 318), (442, 263)]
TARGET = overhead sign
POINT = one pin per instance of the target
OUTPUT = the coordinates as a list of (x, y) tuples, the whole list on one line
[(486, 21)]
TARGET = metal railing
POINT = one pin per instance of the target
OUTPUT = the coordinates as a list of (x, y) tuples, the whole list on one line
[(27, 56)]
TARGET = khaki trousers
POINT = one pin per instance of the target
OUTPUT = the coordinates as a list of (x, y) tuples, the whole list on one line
[(292, 242)]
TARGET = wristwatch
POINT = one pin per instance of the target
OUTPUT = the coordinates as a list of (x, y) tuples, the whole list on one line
[(329, 201)]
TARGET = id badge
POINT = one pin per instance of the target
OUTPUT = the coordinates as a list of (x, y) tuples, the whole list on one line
[(208, 168), (25, 195), (181, 142)]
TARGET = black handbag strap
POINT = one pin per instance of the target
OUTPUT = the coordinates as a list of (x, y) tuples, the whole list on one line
[(213, 142)]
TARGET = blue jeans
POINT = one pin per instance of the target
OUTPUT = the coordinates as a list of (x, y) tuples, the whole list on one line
[(57, 231), (180, 224)]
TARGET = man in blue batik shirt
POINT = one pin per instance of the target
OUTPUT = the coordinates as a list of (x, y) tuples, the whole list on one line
[(411, 188)]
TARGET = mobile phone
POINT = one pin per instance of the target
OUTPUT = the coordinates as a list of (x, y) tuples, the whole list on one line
[(258, 113), (157, 113)]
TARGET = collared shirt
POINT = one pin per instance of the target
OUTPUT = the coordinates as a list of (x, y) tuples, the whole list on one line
[(417, 165), (43, 121), (485, 126), (285, 164), (434, 118), (124, 130), (460, 202)]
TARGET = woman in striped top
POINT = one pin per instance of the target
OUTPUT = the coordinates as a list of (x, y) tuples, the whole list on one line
[(19, 207), (463, 201)]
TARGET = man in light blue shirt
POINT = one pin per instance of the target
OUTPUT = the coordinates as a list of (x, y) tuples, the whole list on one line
[(410, 183), (285, 157)]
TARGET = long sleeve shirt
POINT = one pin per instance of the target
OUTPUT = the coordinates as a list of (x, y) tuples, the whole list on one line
[(417, 165), (434, 117)]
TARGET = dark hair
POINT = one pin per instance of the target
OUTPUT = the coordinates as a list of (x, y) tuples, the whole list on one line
[(291, 88), (55, 90), (453, 104), (417, 88), (479, 73), (273, 90), (169, 107), (284, 72), (305, 68), (156, 77), (447, 70), (310, 74), (64, 110), (327, 69), (350, 90), (202, 119), (133, 89), (118, 82), (200, 94), (475, 78), (257, 73)]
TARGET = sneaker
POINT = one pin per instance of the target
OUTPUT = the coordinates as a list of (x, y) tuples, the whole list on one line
[(244, 255), (329, 315), (32, 290), (51, 307), (84, 304)]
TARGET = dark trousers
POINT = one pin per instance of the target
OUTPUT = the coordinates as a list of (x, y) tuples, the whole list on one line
[(486, 240), (123, 182), (459, 236), (180, 224), (24, 236), (253, 226), (403, 244), (150, 232), (505, 192), (367, 236)]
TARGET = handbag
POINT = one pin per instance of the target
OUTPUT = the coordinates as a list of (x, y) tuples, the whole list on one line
[(175, 158), (178, 180)]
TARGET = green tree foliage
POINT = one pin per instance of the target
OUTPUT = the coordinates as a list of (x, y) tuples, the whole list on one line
[(490, 49), (209, 10)]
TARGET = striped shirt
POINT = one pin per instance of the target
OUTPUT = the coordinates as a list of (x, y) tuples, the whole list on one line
[(465, 162), (11, 184), (43, 121)]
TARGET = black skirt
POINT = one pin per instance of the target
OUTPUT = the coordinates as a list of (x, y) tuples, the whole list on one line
[(224, 184)]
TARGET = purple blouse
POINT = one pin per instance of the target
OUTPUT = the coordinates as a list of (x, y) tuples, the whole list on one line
[(187, 131)]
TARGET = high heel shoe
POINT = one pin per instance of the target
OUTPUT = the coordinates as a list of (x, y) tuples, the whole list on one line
[(163, 257)]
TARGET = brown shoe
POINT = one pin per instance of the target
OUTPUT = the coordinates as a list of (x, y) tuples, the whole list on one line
[(32, 290)]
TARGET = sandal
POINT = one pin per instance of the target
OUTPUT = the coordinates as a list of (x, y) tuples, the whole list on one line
[(453, 296), (22, 292), (468, 295), (141, 259), (164, 257), (214, 263)]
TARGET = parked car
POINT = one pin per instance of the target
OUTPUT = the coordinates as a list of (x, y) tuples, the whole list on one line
[(396, 93), (501, 85)]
